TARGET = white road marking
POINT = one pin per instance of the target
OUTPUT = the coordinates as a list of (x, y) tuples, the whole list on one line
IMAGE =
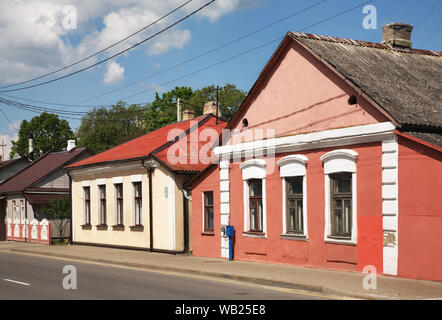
[(18, 282)]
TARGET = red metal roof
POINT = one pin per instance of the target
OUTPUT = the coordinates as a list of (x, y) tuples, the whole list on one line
[(38, 169), (192, 146), (156, 144)]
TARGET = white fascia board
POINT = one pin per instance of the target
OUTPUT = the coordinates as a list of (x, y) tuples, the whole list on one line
[(314, 140)]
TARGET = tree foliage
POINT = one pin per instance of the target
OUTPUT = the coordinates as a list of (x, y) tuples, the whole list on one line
[(163, 110), (103, 128), (230, 99), (50, 135), (59, 212)]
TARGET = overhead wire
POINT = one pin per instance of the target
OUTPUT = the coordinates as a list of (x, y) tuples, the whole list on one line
[(101, 51), (112, 56)]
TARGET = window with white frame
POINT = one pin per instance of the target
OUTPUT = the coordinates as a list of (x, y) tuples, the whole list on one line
[(22, 210), (294, 199), (208, 211), (102, 193), (138, 203), (15, 210), (254, 174), (87, 205), (119, 202), (340, 196)]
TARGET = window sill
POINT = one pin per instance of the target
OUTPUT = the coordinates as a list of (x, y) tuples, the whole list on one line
[(118, 227), (340, 240), (86, 227), (137, 228), (101, 227), (208, 233), (294, 236), (252, 234)]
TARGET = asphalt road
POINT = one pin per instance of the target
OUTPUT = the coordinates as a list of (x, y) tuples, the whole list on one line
[(26, 277)]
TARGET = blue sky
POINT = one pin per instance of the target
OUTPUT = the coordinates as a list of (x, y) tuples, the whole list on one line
[(231, 20)]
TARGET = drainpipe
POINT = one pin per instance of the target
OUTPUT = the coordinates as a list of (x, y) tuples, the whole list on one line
[(149, 171), (186, 220), (72, 203)]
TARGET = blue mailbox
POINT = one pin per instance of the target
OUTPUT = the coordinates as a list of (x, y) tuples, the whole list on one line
[(230, 232)]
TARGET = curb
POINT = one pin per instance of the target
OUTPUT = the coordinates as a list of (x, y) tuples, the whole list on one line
[(254, 280)]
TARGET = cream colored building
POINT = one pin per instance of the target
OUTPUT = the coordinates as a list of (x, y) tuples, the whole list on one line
[(158, 219)]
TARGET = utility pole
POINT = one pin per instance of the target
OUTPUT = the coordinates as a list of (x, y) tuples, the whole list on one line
[(218, 88), (178, 109), (3, 145)]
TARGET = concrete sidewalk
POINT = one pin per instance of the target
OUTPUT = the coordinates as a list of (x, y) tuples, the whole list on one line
[(309, 279)]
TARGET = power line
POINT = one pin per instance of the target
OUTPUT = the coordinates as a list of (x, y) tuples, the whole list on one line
[(114, 55), (430, 35), (230, 58), (244, 52), (101, 51), (4, 115), (427, 14), (207, 52), (179, 64)]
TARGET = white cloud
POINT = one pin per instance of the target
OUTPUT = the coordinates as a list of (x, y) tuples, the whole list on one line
[(114, 73), (7, 140), (33, 40), (173, 40)]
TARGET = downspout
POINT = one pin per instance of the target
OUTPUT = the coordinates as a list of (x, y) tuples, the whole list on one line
[(26, 217), (72, 203), (149, 171), (186, 220)]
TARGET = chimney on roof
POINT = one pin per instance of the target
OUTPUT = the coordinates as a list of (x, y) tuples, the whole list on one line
[(397, 35), (31, 147), (210, 108), (71, 145), (188, 114)]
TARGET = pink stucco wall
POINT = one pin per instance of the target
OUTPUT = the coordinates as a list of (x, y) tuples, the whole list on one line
[(300, 95)]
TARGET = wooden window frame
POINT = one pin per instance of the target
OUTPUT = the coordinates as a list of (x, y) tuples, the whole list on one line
[(297, 197), (87, 206), (119, 204), (208, 206), (138, 200), (103, 216), (342, 196), (255, 201)]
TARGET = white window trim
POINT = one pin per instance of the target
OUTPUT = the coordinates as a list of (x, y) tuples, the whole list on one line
[(100, 219), (116, 202), (254, 169), (342, 160), (134, 207), (85, 220), (294, 166)]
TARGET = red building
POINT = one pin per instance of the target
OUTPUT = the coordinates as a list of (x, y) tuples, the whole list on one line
[(334, 160)]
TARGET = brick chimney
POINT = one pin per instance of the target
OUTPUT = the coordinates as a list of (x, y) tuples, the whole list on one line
[(210, 108), (397, 35), (188, 114)]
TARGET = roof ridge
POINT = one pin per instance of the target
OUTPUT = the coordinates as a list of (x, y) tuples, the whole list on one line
[(363, 43)]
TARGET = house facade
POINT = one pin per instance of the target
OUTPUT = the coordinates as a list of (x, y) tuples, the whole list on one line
[(7, 169), (30, 190), (333, 161), (133, 195)]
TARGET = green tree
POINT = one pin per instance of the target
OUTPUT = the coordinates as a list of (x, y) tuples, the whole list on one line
[(230, 99), (162, 111), (50, 135), (59, 212), (103, 128)]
